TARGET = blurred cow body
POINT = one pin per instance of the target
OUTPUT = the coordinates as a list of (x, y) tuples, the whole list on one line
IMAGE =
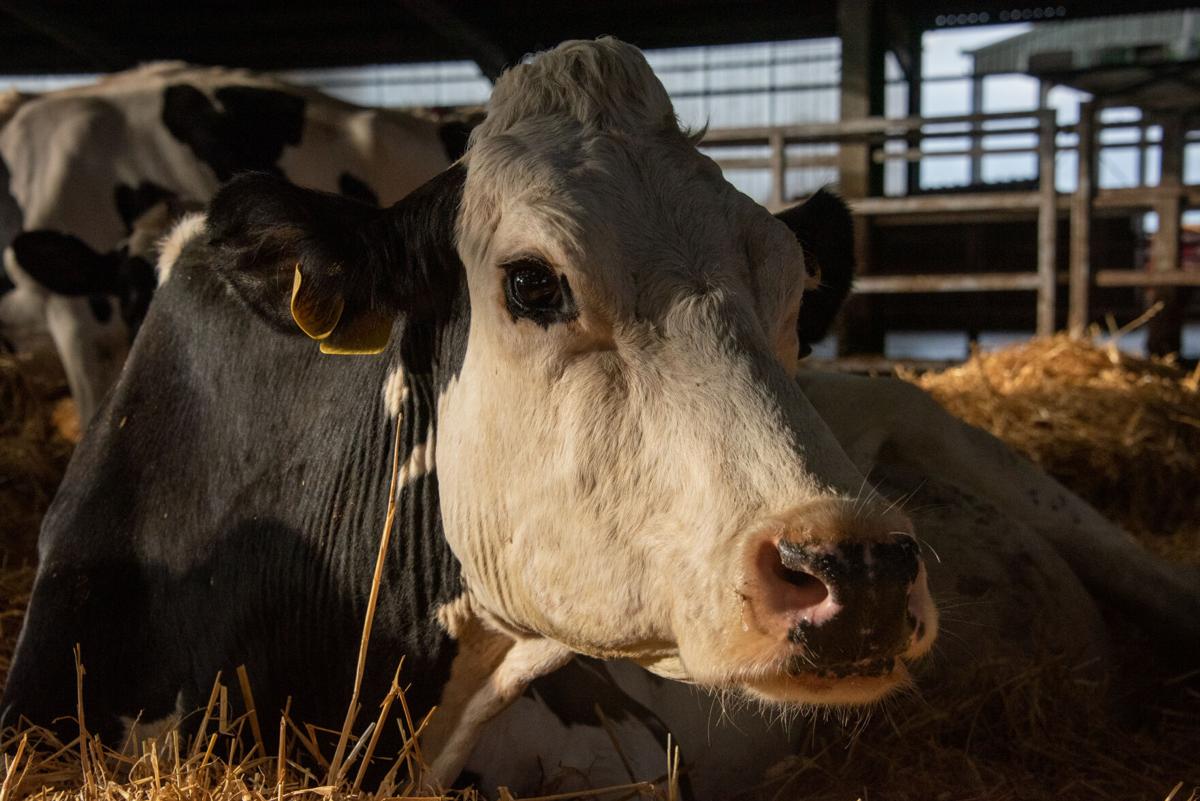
[(85, 165)]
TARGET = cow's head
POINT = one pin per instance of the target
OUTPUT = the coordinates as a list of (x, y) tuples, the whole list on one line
[(625, 463)]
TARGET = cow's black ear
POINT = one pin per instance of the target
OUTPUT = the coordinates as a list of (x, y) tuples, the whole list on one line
[(65, 264), (825, 229), (338, 270)]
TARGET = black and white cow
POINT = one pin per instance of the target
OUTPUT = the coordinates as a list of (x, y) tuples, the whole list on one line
[(83, 165), (586, 341)]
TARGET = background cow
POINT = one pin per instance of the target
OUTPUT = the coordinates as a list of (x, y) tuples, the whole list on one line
[(84, 165)]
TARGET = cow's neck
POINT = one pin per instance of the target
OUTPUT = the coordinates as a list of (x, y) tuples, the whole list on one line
[(300, 449), (490, 668)]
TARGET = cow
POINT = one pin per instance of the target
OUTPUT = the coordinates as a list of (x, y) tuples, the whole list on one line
[(577, 350), (83, 165)]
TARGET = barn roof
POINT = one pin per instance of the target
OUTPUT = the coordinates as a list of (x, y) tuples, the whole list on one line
[(1149, 59), (40, 37)]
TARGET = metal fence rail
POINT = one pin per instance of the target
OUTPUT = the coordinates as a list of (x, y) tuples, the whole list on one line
[(902, 139)]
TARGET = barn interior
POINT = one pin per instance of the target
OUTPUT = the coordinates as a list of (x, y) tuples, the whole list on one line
[(1025, 184)]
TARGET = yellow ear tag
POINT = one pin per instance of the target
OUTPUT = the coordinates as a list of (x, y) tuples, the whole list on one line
[(316, 316), (361, 334)]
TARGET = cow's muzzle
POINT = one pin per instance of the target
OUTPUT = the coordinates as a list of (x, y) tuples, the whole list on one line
[(864, 616), (851, 602)]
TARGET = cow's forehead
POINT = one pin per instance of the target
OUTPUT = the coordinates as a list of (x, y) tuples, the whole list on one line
[(581, 182), (581, 161), (650, 214)]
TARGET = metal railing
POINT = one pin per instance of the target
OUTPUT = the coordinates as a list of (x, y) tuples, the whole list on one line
[(1169, 197)]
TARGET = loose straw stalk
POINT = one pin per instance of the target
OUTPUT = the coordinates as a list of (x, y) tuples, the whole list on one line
[(335, 767)]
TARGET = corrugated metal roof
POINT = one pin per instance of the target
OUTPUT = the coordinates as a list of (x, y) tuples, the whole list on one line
[(1165, 37)]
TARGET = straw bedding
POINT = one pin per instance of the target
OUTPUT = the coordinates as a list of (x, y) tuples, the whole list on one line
[(1123, 432), (33, 448), (1120, 431)]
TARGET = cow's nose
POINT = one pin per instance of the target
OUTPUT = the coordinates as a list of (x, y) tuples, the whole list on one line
[(843, 603)]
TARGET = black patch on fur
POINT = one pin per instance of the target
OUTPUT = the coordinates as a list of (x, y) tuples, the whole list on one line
[(137, 282), (101, 308), (246, 130), (825, 229), (64, 264), (354, 188), (455, 135), (133, 202), (578, 689), (11, 216), (583, 693)]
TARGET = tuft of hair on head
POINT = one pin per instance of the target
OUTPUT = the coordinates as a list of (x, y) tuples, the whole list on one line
[(171, 246), (603, 84)]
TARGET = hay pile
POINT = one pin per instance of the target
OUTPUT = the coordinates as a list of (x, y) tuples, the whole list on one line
[(1045, 732), (222, 762), (1122, 432), (34, 449), (226, 759)]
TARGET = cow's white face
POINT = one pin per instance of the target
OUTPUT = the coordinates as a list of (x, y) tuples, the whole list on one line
[(625, 463)]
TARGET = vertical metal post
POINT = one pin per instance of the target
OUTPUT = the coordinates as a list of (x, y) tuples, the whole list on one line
[(778, 171), (1166, 329), (1168, 206), (862, 327), (862, 92), (915, 73), (1081, 223), (1139, 166), (976, 171), (1047, 263)]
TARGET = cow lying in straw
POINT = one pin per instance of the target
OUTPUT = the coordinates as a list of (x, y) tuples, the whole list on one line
[(583, 384)]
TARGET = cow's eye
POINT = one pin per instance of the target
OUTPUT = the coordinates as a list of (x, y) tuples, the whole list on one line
[(533, 290), (535, 287)]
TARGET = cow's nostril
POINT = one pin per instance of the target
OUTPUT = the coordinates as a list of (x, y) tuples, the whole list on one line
[(799, 590), (809, 590)]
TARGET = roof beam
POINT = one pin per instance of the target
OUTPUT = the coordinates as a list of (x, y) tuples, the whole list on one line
[(459, 32), (61, 29)]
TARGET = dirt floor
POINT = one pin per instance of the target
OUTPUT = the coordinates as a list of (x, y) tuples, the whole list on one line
[(1124, 433)]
